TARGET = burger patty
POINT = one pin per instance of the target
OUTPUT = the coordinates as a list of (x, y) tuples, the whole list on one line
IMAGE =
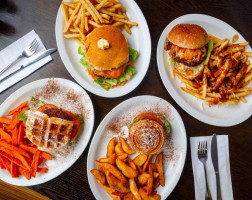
[(113, 73), (55, 112), (189, 57)]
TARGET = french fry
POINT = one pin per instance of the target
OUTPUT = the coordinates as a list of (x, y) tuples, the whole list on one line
[(118, 149), (143, 178), (123, 156), (112, 169), (150, 181), (126, 147), (72, 35), (249, 54), (125, 21), (69, 22), (134, 189), (98, 176), (116, 184), (131, 164), (125, 169), (65, 12), (140, 159), (111, 160), (147, 162), (159, 165)]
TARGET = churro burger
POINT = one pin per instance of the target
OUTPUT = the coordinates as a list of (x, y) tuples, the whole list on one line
[(188, 49), (147, 133), (107, 53)]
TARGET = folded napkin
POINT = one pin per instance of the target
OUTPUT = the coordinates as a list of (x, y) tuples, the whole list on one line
[(224, 169), (11, 52)]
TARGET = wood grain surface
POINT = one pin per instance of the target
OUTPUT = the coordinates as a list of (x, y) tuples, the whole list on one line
[(40, 15)]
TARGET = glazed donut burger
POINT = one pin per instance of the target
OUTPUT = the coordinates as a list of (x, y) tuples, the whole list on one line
[(188, 49), (147, 133)]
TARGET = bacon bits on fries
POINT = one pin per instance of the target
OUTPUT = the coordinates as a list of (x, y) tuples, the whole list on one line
[(226, 76), (129, 179), (17, 154), (82, 16)]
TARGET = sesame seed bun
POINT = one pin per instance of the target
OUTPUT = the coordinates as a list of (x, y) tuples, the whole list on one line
[(113, 57), (189, 36)]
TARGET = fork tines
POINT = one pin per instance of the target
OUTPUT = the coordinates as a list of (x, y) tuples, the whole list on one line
[(202, 147)]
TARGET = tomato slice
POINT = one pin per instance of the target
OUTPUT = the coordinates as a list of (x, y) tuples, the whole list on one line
[(46, 107), (76, 122), (149, 116)]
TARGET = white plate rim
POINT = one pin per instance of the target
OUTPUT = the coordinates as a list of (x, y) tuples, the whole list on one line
[(105, 121), (85, 141), (179, 100), (123, 90)]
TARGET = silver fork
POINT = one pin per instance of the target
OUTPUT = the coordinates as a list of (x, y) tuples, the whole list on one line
[(202, 155), (30, 50)]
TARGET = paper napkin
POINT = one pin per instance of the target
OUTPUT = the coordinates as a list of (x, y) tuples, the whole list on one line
[(224, 169), (11, 52)]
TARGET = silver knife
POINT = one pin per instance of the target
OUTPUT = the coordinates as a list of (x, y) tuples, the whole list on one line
[(214, 155), (30, 61)]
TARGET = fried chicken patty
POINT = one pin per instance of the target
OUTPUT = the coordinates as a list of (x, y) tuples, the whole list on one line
[(189, 57), (55, 112)]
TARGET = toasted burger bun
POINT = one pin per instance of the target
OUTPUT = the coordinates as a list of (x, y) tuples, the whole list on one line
[(189, 72), (189, 36), (147, 136), (115, 56)]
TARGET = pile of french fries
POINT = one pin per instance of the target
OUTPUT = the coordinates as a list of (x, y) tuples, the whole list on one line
[(17, 154), (83, 16), (226, 76), (124, 178)]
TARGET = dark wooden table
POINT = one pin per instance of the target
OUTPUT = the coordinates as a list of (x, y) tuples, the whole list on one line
[(40, 15)]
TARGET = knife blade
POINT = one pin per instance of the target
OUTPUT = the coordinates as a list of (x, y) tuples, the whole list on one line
[(30, 61), (214, 155)]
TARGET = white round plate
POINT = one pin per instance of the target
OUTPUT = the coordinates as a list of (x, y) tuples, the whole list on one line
[(121, 116), (55, 166), (225, 115), (139, 40)]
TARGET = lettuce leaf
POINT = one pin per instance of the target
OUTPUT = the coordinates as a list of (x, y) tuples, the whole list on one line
[(107, 83), (133, 54), (171, 62), (209, 50), (83, 60), (166, 123), (23, 116), (81, 51)]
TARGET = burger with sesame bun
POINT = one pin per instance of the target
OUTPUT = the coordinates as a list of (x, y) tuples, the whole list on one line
[(147, 133), (107, 57), (188, 49)]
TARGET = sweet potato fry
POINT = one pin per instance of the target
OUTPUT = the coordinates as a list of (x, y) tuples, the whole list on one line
[(1, 164), (14, 148), (126, 147), (33, 150), (14, 123), (159, 165), (111, 160), (4, 120), (18, 156), (134, 189), (140, 159), (112, 169), (118, 149), (20, 107), (14, 172), (99, 176), (5, 136), (42, 170), (34, 165), (14, 136), (116, 184), (25, 173), (111, 147), (21, 132), (126, 170), (6, 163), (12, 159)]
